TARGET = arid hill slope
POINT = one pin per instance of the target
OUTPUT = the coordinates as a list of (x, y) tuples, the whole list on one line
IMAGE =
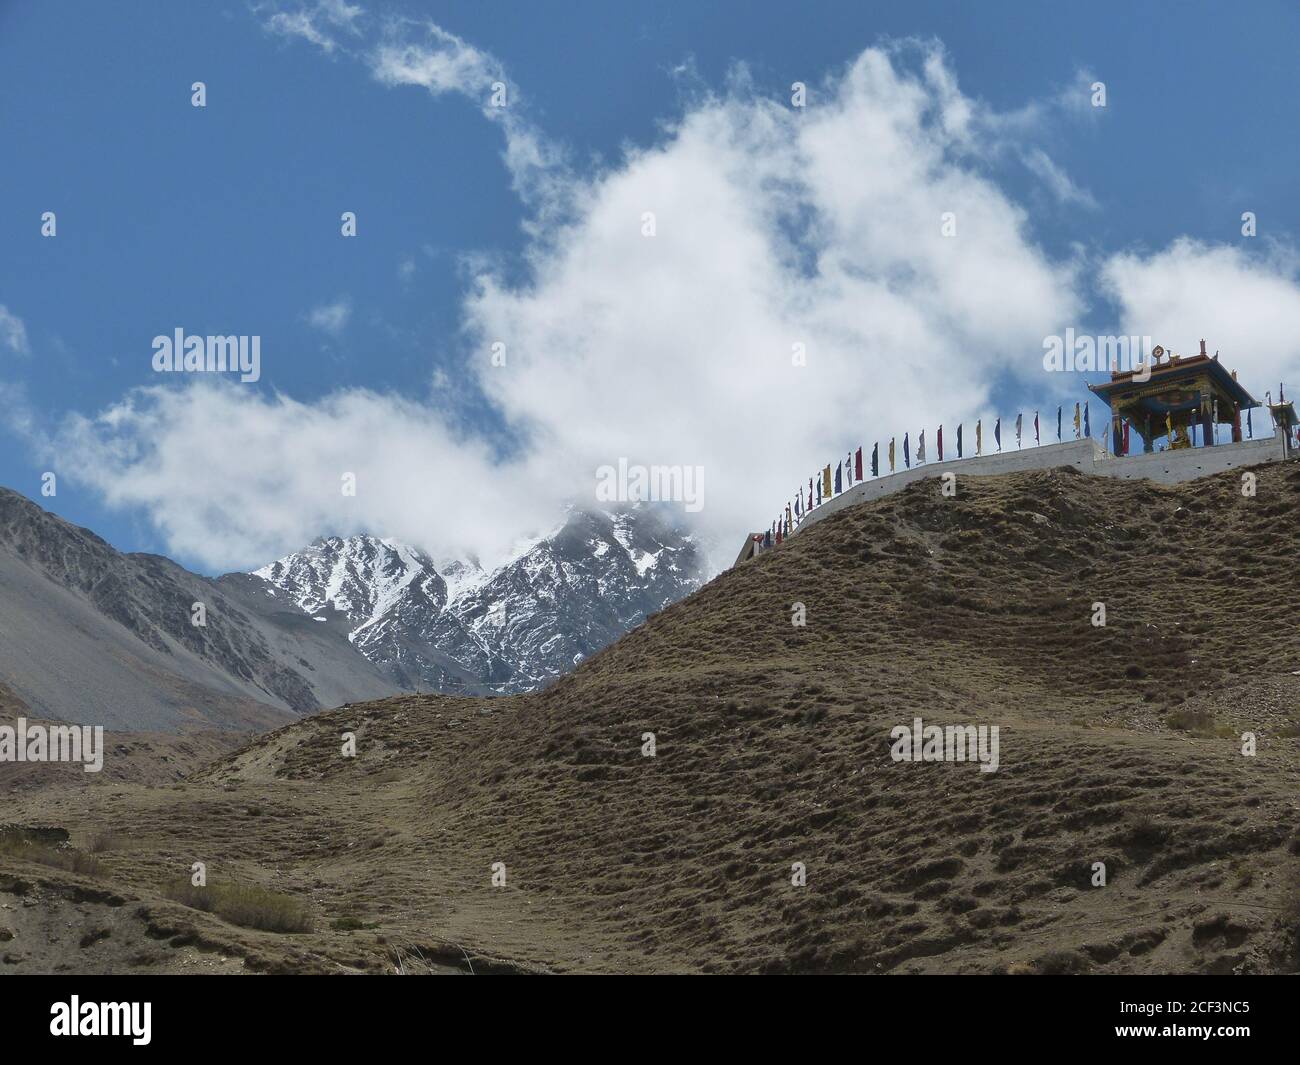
[(92, 635), (1118, 744)]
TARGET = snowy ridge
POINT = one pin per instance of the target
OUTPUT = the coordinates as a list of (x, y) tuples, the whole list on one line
[(453, 626)]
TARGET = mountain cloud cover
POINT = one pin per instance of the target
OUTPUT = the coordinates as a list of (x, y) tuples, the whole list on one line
[(775, 230)]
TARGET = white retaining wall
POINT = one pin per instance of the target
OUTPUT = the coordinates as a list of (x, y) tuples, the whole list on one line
[(1163, 467)]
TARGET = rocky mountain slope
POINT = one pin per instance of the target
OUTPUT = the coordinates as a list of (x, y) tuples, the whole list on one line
[(91, 635), (454, 627), (94, 636), (1120, 744)]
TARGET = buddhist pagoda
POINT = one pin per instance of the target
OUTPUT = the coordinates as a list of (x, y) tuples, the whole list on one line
[(1172, 394)]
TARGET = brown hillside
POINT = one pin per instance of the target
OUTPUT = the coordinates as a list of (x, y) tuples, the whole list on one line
[(1119, 744)]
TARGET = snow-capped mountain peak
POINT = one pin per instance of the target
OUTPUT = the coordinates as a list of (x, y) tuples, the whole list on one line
[(361, 577), (454, 626)]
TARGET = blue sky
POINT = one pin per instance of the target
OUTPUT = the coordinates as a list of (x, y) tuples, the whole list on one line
[(225, 220)]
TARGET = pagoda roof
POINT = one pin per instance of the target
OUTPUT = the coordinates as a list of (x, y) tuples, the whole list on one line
[(1284, 414), (1172, 373)]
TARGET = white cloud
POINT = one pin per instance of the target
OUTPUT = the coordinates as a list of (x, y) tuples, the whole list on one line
[(435, 60), (319, 22), (773, 228), (1072, 102), (1246, 306), (1058, 182), (423, 55), (15, 408), (232, 476), (13, 333), (331, 318)]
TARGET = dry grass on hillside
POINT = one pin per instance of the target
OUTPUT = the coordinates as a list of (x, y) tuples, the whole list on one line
[(1118, 745)]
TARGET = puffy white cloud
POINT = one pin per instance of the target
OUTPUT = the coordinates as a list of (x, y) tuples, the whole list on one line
[(773, 227), (232, 476), (1245, 305)]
